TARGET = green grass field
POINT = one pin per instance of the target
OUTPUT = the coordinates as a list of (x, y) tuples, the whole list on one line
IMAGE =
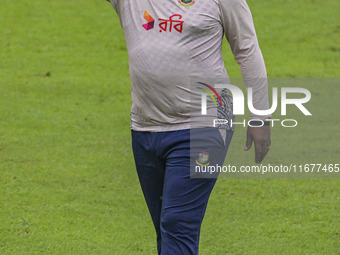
[(67, 177)]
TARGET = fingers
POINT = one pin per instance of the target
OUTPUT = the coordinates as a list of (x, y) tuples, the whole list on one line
[(258, 153), (249, 142), (261, 150), (260, 136)]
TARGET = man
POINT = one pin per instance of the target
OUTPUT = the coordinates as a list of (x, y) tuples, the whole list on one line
[(175, 46)]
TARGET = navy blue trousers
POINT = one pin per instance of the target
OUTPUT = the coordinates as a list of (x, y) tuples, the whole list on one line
[(176, 200)]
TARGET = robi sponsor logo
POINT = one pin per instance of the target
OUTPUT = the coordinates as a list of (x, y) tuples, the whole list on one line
[(173, 23), (150, 20)]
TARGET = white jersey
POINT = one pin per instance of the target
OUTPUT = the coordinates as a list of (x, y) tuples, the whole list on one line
[(170, 41)]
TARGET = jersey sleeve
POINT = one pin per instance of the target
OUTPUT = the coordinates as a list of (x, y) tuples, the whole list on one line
[(114, 4), (240, 32)]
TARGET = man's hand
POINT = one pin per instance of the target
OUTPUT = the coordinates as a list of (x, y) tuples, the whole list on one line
[(261, 138)]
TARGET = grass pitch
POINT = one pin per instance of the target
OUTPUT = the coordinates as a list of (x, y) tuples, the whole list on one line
[(67, 178)]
